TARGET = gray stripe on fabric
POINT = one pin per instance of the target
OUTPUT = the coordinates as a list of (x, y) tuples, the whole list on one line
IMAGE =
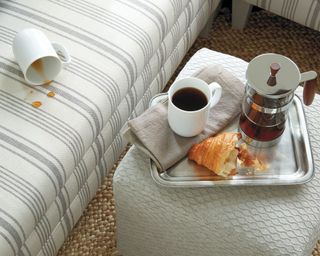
[(38, 147), (62, 200), (81, 172), (14, 109), (94, 81), (23, 252), (2, 65), (73, 221), (100, 15), (87, 189), (82, 200), (20, 193), (27, 202), (5, 41), (27, 150), (114, 148), (79, 103), (87, 192), (309, 12), (8, 31), (62, 221), (295, 8), (118, 121), (46, 224), (174, 8), (49, 247), (53, 246), (45, 249), (11, 230), (51, 22), (126, 22), (6, 37), (42, 230), (131, 101), (8, 241), (59, 207), (15, 222), (156, 11), (99, 148), (100, 169), (29, 186), (67, 220), (94, 150), (148, 74), (288, 9), (41, 234), (37, 166), (109, 85), (85, 170), (17, 186), (76, 174), (284, 8), (293, 5), (146, 13), (65, 234), (315, 15)]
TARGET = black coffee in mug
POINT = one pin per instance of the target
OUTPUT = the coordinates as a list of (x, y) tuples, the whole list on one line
[(189, 99)]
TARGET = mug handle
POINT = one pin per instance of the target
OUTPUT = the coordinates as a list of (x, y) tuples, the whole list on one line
[(62, 53), (216, 92)]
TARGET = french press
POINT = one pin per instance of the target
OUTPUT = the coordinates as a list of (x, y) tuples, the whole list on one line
[(271, 82)]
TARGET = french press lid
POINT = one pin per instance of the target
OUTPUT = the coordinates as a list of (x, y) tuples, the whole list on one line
[(272, 74)]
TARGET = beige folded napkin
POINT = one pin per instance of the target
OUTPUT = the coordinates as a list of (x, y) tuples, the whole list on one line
[(151, 133)]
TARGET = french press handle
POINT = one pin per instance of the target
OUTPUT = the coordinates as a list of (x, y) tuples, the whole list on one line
[(310, 86)]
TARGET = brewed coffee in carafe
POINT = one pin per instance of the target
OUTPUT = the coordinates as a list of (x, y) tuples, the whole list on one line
[(271, 82)]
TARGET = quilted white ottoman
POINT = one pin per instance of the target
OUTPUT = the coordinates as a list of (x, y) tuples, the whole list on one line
[(159, 221)]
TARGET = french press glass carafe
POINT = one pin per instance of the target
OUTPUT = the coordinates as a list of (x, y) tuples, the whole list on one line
[(271, 82)]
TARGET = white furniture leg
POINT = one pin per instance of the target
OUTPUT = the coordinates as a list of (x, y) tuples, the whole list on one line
[(240, 13)]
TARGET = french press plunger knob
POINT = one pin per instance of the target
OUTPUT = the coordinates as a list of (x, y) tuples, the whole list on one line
[(274, 68)]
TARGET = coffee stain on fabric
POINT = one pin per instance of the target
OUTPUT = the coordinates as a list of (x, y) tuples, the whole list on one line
[(51, 94), (36, 104), (38, 66)]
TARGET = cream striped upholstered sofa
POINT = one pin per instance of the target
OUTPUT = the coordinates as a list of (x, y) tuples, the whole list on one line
[(305, 12), (53, 158)]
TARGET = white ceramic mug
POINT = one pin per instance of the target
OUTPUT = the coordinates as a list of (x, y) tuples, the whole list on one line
[(39, 59), (191, 123)]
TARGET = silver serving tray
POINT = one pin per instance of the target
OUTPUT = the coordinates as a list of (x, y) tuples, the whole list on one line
[(289, 162)]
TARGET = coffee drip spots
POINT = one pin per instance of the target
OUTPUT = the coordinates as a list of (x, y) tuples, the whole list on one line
[(51, 94), (39, 68), (36, 104)]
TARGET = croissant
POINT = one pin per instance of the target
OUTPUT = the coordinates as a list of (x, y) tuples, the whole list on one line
[(221, 153), (218, 154)]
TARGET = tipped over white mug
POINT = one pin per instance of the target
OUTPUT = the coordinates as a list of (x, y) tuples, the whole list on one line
[(31, 45), (191, 123)]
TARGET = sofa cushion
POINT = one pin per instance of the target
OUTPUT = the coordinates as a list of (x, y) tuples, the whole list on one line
[(118, 47)]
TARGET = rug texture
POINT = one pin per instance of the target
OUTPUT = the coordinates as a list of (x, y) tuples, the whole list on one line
[(94, 234)]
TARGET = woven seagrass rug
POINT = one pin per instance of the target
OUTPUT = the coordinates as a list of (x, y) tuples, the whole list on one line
[(94, 234)]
